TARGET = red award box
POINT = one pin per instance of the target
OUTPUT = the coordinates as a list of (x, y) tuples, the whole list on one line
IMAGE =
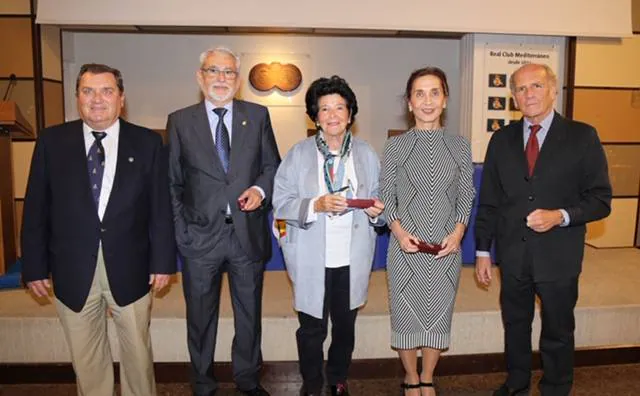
[(360, 203), (425, 247)]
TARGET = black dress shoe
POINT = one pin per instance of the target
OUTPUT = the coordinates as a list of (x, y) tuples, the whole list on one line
[(406, 387), (304, 392), (504, 390), (339, 390), (257, 391)]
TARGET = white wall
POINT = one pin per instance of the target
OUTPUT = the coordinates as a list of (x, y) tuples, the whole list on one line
[(159, 73), (545, 17)]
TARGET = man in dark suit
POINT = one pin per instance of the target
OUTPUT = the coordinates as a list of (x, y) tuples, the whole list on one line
[(97, 217), (223, 158), (544, 178)]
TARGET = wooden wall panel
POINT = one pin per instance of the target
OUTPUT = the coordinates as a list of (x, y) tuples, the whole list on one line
[(51, 52), (7, 201), (608, 62), (19, 211), (635, 15), (624, 168), (617, 230), (15, 7), (395, 132), (16, 53), (638, 227), (24, 95), (614, 112), (2, 263), (53, 103), (22, 152)]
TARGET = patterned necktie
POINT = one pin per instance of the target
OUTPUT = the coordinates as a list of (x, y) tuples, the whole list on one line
[(222, 138), (95, 165), (532, 149)]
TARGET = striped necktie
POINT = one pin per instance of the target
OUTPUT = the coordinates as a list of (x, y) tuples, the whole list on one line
[(95, 165), (532, 149), (222, 138)]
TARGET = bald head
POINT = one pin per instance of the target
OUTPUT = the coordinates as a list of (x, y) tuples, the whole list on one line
[(548, 72), (534, 88)]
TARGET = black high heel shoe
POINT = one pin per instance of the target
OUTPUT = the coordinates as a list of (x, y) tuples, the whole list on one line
[(427, 385), (406, 386)]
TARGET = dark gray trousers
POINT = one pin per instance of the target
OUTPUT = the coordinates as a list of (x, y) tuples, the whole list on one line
[(202, 279), (558, 299)]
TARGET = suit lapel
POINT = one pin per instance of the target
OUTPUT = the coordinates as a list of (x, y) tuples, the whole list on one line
[(124, 168), (311, 168), (204, 137), (78, 159), (551, 146), (361, 172), (516, 140), (240, 130)]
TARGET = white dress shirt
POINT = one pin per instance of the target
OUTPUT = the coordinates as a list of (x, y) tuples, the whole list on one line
[(228, 122), (213, 119), (110, 144), (337, 227)]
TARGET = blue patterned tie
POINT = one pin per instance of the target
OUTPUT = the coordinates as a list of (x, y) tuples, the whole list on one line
[(95, 165), (222, 138)]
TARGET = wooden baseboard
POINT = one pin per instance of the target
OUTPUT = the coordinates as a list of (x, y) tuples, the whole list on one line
[(282, 372)]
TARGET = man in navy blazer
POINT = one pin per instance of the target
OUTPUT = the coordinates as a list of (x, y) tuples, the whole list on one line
[(223, 158), (544, 178), (97, 218)]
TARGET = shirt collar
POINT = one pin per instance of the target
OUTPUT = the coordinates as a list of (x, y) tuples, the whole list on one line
[(545, 123), (210, 106), (112, 130)]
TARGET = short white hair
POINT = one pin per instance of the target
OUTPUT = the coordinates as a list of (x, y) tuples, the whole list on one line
[(224, 50)]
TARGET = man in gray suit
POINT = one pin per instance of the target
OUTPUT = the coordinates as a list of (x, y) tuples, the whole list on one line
[(223, 158)]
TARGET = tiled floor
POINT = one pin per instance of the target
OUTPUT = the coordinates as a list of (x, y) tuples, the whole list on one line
[(608, 311), (622, 380)]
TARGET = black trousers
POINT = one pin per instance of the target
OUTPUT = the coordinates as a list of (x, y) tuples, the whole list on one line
[(558, 300), (202, 279), (313, 331)]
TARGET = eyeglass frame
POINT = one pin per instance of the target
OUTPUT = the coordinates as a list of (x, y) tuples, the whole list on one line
[(214, 72)]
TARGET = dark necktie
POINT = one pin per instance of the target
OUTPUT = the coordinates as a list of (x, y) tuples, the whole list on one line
[(222, 138), (532, 149), (95, 164)]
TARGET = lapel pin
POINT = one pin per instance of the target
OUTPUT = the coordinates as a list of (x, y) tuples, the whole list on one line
[(244, 123), (130, 159)]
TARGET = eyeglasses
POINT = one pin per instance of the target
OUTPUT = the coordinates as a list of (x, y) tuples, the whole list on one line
[(215, 72)]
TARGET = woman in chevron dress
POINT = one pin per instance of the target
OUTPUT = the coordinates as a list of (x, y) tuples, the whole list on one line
[(427, 188)]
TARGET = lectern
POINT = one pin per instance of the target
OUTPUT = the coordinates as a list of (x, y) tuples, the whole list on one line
[(12, 125)]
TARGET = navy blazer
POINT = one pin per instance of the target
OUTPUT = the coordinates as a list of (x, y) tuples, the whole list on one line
[(570, 173), (61, 230)]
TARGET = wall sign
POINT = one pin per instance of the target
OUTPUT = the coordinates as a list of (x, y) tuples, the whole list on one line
[(500, 61), (275, 75)]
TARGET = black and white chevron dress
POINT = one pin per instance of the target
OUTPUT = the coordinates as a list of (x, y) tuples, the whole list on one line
[(426, 184)]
